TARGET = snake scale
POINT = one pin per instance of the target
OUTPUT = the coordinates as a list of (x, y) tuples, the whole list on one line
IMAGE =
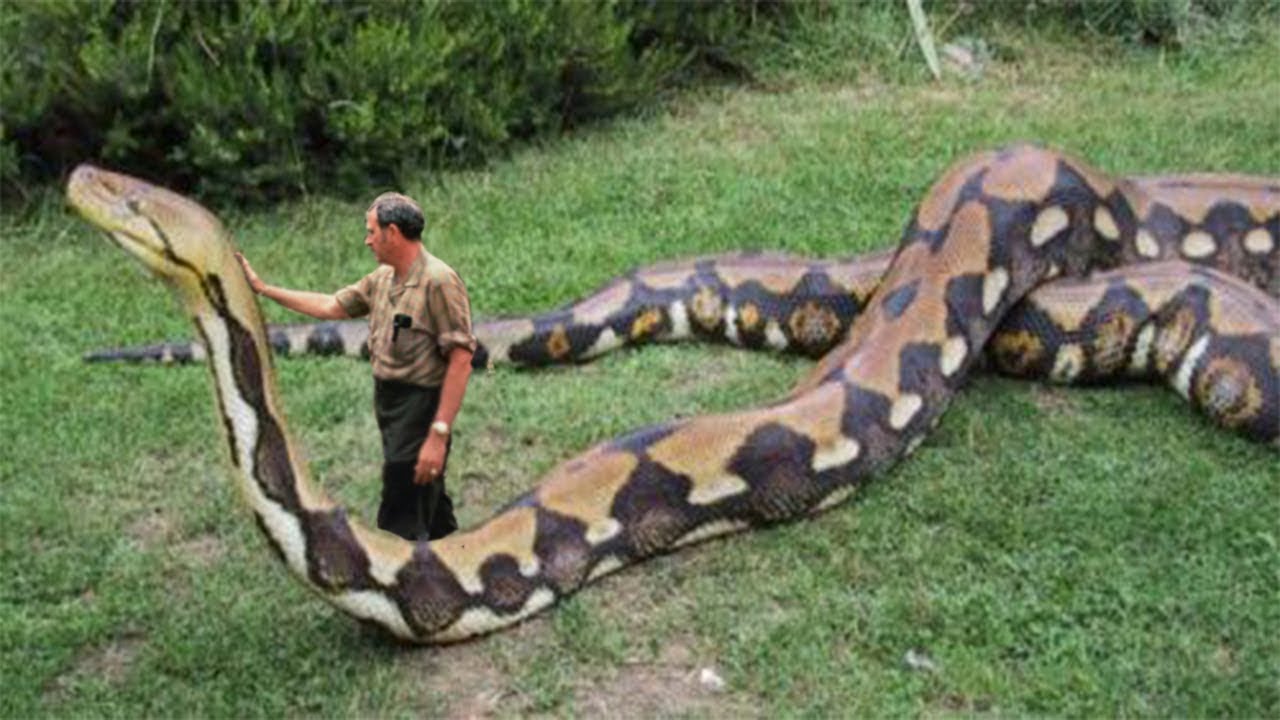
[(1055, 268)]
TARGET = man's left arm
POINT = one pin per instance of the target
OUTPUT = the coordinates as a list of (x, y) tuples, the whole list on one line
[(452, 308), (432, 455)]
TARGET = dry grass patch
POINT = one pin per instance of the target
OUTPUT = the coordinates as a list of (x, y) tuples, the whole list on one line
[(109, 663), (458, 681), (201, 551), (151, 529), (672, 686)]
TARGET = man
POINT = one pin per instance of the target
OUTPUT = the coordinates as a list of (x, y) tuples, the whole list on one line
[(420, 348)]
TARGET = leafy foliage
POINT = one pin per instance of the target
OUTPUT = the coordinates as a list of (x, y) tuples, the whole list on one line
[(263, 99), (242, 100)]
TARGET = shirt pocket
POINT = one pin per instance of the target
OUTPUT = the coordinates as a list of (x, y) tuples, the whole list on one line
[(411, 345)]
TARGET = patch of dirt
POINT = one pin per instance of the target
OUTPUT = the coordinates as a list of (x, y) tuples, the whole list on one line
[(645, 691), (109, 663), (675, 684), (151, 529), (201, 551), (464, 682), (457, 682)]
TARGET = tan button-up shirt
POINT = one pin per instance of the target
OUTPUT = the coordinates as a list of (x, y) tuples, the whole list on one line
[(435, 318)]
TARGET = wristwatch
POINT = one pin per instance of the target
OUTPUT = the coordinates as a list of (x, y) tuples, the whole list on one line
[(440, 428)]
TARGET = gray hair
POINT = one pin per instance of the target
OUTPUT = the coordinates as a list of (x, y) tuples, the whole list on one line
[(400, 210)]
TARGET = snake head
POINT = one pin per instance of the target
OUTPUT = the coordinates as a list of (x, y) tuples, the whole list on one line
[(175, 238)]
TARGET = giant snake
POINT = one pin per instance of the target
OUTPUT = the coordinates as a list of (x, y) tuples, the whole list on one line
[(1055, 269)]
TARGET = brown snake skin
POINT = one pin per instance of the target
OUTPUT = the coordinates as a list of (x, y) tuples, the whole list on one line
[(992, 229)]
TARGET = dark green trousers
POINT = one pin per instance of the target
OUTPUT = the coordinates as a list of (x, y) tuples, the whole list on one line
[(414, 512)]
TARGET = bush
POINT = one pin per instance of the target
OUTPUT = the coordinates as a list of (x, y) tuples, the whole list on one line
[(253, 100), (257, 100)]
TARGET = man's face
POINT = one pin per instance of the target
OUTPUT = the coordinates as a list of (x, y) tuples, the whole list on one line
[(375, 238)]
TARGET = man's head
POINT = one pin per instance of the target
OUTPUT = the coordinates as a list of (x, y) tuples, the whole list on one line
[(392, 219), (400, 210)]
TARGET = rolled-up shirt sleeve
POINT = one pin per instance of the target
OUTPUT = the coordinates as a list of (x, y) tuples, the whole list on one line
[(449, 305), (357, 298)]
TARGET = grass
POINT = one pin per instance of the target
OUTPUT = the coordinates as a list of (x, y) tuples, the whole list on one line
[(1064, 552)]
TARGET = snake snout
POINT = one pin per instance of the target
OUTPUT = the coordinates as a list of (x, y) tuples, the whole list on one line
[(83, 175), (104, 185), (98, 192)]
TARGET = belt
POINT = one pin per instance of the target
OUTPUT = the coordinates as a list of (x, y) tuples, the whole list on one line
[(397, 386)]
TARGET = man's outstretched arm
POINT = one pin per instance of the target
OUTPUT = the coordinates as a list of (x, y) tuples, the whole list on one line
[(317, 305)]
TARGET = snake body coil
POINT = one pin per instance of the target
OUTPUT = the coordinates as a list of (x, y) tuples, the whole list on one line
[(993, 229)]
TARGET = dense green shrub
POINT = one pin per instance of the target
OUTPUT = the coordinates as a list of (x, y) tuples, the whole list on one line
[(260, 99), (249, 99), (255, 100)]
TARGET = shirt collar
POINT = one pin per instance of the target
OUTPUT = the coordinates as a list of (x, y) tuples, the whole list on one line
[(417, 274)]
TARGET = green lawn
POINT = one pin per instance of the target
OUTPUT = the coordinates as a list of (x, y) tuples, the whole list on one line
[(1050, 551)]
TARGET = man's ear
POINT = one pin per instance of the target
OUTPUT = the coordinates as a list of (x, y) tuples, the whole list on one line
[(394, 230)]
